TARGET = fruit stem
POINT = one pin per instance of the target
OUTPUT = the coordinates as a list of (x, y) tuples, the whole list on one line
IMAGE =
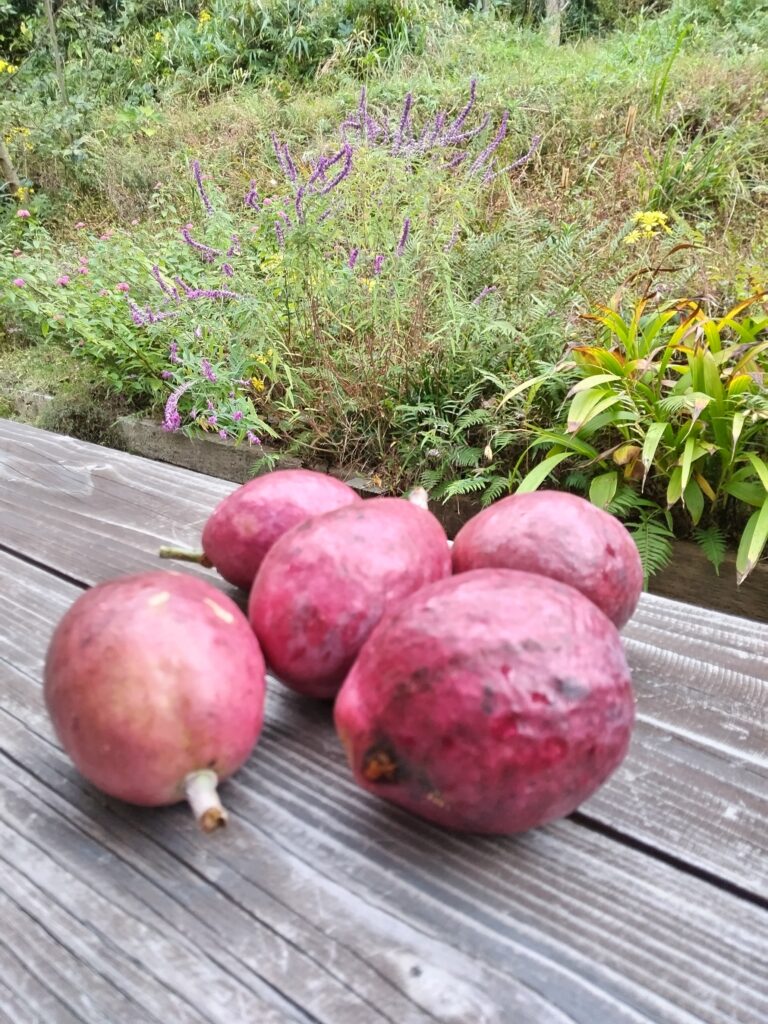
[(200, 788), (180, 555), (418, 496)]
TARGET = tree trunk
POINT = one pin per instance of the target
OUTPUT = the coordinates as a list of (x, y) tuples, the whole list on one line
[(553, 17), (7, 169), (48, 4)]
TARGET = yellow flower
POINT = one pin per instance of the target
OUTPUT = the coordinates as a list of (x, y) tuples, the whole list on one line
[(204, 16), (8, 69), (159, 37), (257, 383), (136, 61), (649, 223), (368, 282), (23, 192)]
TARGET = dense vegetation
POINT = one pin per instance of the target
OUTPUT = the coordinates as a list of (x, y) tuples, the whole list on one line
[(412, 237)]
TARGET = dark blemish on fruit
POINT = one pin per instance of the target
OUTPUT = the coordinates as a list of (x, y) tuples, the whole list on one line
[(489, 699), (539, 698), (571, 689), (380, 765), (610, 550), (531, 645), (415, 972)]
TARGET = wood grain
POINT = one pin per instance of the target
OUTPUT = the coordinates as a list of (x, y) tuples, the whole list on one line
[(321, 905), (561, 925), (696, 785)]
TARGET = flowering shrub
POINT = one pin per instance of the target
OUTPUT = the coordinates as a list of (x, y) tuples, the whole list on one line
[(318, 314)]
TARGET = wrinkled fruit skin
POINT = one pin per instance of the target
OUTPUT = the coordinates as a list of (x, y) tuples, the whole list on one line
[(325, 584), (561, 536), (491, 702), (151, 677), (245, 525)]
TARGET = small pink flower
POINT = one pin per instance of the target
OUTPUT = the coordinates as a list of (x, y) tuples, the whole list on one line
[(105, 237), (84, 260), (212, 420), (80, 225), (19, 282), (24, 214), (223, 434), (103, 292), (122, 286), (83, 270), (237, 416), (134, 222), (63, 281), (252, 439), (17, 252), (166, 375)]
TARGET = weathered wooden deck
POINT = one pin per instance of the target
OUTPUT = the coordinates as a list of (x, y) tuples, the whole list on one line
[(318, 904)]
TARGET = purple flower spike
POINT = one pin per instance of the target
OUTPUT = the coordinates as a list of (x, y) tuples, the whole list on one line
[(403, 126), (198, 176), (535, 143), (459, 121), (455, 161), (378, 263), (172, 419), (207, 371), (488, 290), (353, 255), (136, 314), (237, 415), (173, 353), (227, 269), (223, 434), (403, 237), (252, 197), (280, 234), (165, 287), (346, 153), (206, 252), (452, 240), (166, 375), (252, 439), (492, 146)]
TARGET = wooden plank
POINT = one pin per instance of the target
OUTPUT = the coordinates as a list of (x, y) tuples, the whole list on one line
[(592, 931), (376, 882), (701, 678)]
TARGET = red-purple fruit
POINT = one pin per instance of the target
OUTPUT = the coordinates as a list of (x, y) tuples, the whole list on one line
[(326, 583), (490, 702), (245, 525), (155, 686), (562, 536)]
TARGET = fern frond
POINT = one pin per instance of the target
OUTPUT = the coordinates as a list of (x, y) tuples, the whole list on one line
[(497, 486), (654, 542), (469, 485), (624, 501), (711, 540)]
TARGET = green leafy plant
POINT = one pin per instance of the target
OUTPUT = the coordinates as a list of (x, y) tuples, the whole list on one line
[(670, 404)]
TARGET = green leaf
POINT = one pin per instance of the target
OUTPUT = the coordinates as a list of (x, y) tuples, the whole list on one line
[(586, 406), (592, 382), (539, 473), (651, 443), (737, 426), (693, 499), (752, 542), (712, 543), (603, 488), (687, 461), (750, 494), (675, 486), (759, 467)]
